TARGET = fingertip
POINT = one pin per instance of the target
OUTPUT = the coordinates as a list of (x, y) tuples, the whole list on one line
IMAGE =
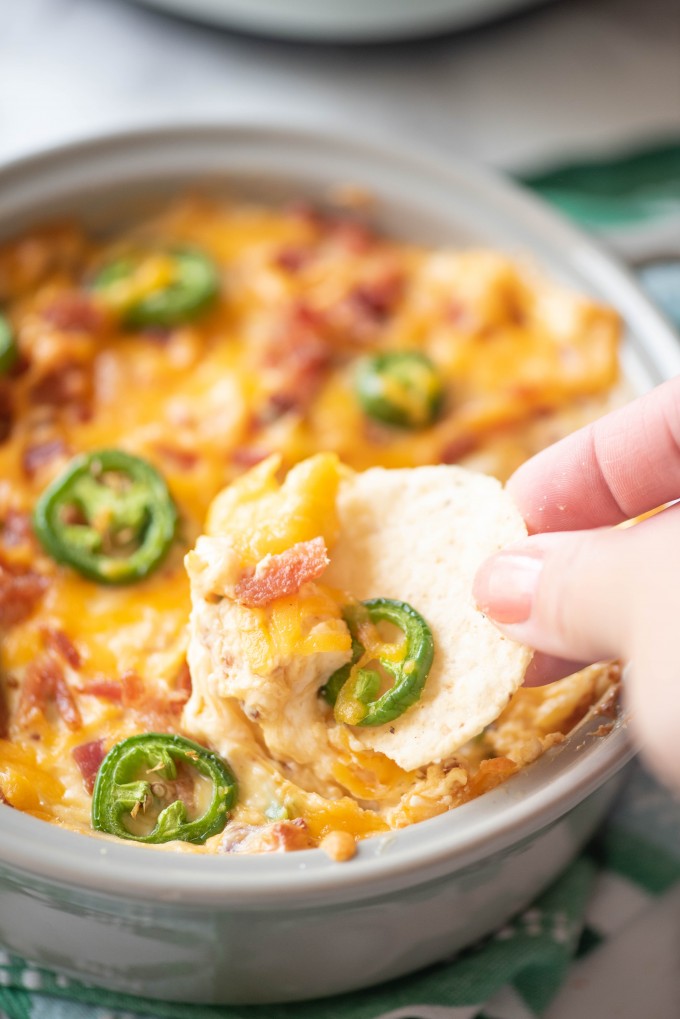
[(505, 585)]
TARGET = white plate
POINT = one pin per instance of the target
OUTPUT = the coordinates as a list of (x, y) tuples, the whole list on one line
[(344, 20)]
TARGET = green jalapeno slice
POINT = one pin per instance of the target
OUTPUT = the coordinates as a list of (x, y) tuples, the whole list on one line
[(162, 289), (400, 388), (109, 515), (354, 692), (8, 347), (138, 790)]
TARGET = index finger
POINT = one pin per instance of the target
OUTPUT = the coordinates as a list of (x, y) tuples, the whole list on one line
[(624, 464)]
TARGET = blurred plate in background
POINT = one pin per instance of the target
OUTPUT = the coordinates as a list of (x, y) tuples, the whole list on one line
[(344, 20)]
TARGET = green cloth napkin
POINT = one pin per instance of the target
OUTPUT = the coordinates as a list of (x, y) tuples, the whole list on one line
[(638, 849)]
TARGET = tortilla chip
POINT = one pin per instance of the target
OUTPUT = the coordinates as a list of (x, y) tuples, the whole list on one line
[(419, 536)]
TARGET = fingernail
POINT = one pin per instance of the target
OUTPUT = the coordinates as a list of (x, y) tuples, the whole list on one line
[(505, 585)]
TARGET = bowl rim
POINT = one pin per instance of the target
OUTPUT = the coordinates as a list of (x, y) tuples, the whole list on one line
[(533, 799), (351, 23)]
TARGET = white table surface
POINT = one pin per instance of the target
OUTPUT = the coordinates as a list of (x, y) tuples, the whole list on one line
[(573, 77)]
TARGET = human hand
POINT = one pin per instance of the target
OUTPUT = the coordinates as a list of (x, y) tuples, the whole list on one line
[(580, 590)]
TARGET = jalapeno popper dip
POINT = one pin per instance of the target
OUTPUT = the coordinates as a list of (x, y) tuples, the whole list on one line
[(226, 384)]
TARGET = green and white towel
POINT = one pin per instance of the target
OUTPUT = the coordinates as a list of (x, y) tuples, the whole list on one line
[(514, 974)]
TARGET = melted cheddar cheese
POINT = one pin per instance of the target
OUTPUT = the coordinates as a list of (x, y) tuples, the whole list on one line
[(268, 369)]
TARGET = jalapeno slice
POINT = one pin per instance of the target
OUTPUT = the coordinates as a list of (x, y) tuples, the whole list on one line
[(8, 347), (109, 515), (140, 783), (161, 289), (400, 388), (353, 691)]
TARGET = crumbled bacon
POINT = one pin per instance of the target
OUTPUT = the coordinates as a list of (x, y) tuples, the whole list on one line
[(378, 297), (44, 683), (352, 234), (15, 528), (73, 311), (299, 357), (133, 688), (39, 454), (20, 591), (58, 641), (157, 334), (6, 412), (157, 711), (282, 574), (248, 456), (459, 447), (291, 259), (103, 687), (365, 309), (306, 212), (88, 757), (184, 459), (67, 385), (282, 837)]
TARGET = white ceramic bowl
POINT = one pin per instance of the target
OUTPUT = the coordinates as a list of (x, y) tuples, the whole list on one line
[(344, 20), (283, 927)]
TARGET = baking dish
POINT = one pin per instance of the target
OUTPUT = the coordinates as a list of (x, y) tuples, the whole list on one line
[(285, 927)]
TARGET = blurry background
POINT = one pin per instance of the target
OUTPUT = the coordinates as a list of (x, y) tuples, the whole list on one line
[(566, 78)]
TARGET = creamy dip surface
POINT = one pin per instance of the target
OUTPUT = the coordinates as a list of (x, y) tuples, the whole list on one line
[(258, 360)]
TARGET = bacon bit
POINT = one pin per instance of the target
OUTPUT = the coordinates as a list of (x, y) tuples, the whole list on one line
[(355, 236), (106, 689), (292, 259), (285, 573), (244, 456), (283, 836), (157, 334), (156, 712), (57, 640), (20, 591), (6, 412), (366, 307), (37, 456), (307, 213), (73, 311), (458, 448), (185, 459), (44, 682), (378, 297), (88, 757), (133, 688), (68, 385), (300, 356), (289, 836), (15, 529)]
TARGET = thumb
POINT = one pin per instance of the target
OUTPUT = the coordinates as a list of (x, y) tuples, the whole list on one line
[(594, 595), (567, 595)]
